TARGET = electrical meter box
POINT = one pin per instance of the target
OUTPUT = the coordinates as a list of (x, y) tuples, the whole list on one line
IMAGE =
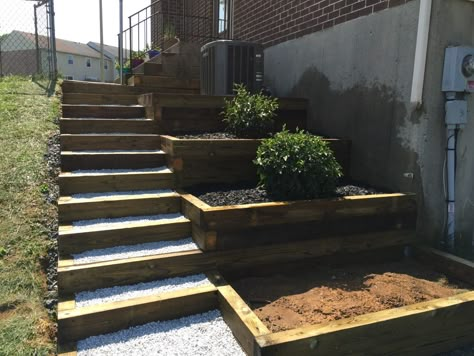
[(458, 73)]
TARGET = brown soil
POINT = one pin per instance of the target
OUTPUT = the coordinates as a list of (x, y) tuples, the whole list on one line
[(312, 296)]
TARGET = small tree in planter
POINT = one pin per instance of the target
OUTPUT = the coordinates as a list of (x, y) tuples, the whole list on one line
[(297, 166), (250, 115)]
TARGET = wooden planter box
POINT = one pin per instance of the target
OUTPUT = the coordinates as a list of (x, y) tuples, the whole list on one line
[(243, 226), (425, 328), (225, 161), (186, 114)]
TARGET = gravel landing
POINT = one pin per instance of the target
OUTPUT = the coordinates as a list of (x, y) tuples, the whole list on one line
[(121, 222), (120, 171), (222, 195), (85, 196), (115, 294), (141, 250), (198, 335), (209, 136)]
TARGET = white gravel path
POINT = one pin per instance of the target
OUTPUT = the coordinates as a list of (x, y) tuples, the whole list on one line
[(121, 222), (112, 151), (121, 252), (84, 196), (115, 294), (120, 171), (198, 335)]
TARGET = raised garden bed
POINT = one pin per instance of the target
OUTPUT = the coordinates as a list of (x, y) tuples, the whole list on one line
[(413, 310), (242, 226), (186, 114), (199, 161)]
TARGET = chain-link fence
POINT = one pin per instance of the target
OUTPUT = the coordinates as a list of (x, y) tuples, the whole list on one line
[(27, 41)]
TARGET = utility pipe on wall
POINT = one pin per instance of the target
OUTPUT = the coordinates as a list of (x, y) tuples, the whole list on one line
[(421, 52)]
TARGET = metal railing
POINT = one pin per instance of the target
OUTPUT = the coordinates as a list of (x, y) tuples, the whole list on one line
[(162, 24)]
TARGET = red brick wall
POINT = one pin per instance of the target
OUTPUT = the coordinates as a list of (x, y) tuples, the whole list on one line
[(272, 22)]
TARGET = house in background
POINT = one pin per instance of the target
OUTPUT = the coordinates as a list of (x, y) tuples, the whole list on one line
[(76, 61)]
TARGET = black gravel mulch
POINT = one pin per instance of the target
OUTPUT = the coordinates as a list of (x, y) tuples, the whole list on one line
[(248, 193), (208, 136)]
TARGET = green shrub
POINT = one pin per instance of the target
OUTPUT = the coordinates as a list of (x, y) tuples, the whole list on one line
[(250, 115), (297, 166)]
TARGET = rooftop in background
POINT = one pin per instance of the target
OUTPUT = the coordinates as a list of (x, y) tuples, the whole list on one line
[(70, 47)]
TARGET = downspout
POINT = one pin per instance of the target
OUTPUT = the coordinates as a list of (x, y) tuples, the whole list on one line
[(421, 52)]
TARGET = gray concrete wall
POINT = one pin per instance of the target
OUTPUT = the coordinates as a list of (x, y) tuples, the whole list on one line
[(358, 78)]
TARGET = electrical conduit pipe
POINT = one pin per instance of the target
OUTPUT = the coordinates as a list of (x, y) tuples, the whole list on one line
[(421, 52)]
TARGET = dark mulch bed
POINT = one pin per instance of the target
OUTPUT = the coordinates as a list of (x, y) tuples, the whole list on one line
[(248, 193), (208, 136)]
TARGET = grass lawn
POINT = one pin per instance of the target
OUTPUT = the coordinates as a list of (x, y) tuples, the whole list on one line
[(26, 121)]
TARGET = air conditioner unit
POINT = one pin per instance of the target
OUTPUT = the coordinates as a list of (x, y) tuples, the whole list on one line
[(226, 62)]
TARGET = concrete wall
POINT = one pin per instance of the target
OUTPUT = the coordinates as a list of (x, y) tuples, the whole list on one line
[(358, 77)]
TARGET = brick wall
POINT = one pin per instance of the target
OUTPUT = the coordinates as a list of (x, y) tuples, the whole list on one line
[(282, 20)]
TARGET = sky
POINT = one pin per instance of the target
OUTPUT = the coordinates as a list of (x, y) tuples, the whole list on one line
[(76, 20)]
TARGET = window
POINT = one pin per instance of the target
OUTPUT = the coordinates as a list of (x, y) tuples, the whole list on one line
[(70, 59), (106, 65), (224, 16), (68, 77), (88, 62)]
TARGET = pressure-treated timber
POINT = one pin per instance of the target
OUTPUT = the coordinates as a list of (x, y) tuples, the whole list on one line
[(134, 270), (453, 266), (119, 141), (184, 114), (79, 323), (163, 82), (72, 241), (70, 183), (131, 159), (103, 111), (200, 161), (243, 322), (99, 99), (70, 209), (149, 68), (420, 329), (67, 349), (252, 225), (84, 126)]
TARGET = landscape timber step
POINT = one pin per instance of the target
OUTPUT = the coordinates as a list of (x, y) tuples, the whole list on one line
[(77, 142), (163, 82), (115, 206), (99, 99), (132, 159), (73, 278), (75, 86), (110, 181), (103, 111), (79, 323), (81, 126), (149, 68), (71, 240)]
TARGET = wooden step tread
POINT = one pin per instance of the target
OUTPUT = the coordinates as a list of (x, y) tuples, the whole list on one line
[(113, 196), (102, 111), (116, 206), (129, 252), (95, 234), (79, 323), (109, 141), (112, 152), (92, 181), (99, 99), (116, 172)]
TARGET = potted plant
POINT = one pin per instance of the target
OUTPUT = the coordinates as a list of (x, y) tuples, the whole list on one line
[(138, 57), (125, 67), (152, 51)]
